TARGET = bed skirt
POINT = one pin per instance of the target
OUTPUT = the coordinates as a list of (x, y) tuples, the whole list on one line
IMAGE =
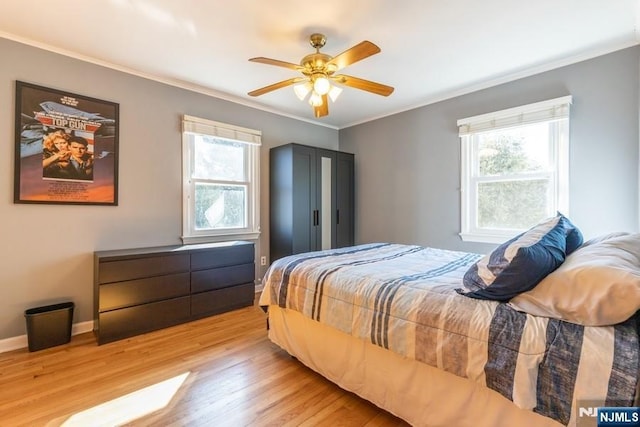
[(411, 390)]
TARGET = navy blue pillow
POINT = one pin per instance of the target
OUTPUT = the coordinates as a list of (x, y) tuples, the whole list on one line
[(575, 239), (519, 264)]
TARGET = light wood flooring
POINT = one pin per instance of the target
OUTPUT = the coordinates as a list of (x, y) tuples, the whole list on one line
[(218, 371)]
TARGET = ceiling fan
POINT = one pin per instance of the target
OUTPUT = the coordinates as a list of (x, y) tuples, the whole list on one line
[(319, 72)]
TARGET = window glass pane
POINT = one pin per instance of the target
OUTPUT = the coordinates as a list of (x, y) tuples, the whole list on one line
[(219, 159), (220, 206), (512, 204), (514, 150)]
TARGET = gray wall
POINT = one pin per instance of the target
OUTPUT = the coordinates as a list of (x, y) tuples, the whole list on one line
[(47, 251), (410, 161)]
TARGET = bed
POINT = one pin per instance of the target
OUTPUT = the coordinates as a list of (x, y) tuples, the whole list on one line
[(395, 324)]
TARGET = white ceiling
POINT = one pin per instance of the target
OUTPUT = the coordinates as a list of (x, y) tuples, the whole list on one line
[(431, 49)]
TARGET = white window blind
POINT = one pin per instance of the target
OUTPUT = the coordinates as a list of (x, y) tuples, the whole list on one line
[(553, 109), (197, 125)]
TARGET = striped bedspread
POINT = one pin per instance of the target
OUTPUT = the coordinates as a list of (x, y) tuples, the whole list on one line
[(402, 298)]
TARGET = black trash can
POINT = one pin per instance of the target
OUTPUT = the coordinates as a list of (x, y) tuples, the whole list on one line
[(49, 326)]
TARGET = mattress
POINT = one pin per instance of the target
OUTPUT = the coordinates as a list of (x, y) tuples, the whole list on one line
[(420, 394)]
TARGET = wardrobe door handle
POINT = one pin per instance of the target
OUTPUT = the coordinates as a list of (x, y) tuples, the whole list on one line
[(337, 216)]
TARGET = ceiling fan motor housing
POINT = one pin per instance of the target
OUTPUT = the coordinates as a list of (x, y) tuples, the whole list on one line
[(316, 63)]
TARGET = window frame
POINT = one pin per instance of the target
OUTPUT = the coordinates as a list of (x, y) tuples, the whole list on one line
[(252, 138), (556, 113)]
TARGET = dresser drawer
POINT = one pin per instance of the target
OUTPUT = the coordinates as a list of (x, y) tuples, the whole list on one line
[(140, 291), (221, 300), (137, 268), (127, 322), (216, 278), (222, 257)]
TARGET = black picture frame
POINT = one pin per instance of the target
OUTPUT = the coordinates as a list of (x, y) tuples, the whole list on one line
[(66, 147)]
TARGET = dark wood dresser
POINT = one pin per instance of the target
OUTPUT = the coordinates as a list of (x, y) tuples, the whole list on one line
[(144, 289)]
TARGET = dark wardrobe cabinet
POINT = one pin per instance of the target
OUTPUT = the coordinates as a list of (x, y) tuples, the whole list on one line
[(311, 199)]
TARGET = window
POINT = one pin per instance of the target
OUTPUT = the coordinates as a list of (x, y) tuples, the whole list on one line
[(514, 169), (220, 181)]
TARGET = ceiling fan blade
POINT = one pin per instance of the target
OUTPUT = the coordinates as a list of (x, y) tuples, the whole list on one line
[(275, 86), (277, 63), (357, 53), (322, 110), (362, 84)]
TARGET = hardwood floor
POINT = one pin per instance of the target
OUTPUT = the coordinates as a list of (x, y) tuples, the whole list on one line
[(219, 371)]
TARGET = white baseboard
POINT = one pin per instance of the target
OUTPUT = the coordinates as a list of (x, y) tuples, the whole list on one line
[(15, 343)]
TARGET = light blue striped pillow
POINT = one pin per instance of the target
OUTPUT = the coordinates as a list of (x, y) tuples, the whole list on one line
[(521, 263)]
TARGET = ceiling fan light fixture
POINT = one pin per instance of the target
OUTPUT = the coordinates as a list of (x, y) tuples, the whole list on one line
[(334, 93), (321, 84), (302, 90), (315, 100)]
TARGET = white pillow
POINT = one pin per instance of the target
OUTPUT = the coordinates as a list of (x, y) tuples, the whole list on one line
[(604, 237), (597, 285)]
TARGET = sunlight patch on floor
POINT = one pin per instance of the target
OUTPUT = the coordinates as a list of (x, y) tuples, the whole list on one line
[(129, 407)]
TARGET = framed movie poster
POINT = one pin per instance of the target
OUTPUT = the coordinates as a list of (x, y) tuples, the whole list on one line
[(66, 148)]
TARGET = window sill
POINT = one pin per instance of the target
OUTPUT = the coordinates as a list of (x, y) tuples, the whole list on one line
[(189, 240), (488, 237)]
